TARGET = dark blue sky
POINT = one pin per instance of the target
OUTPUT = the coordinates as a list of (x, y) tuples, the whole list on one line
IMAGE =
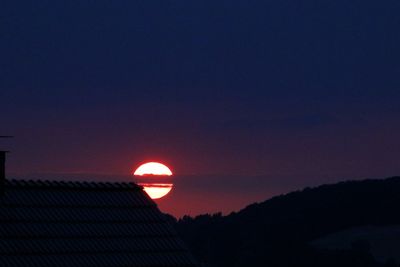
[(302, 89)]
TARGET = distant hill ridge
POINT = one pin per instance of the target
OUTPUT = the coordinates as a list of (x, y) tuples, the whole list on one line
[(279, 230)]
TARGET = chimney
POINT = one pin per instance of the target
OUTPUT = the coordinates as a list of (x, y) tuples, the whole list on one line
[(2, 171), (3, 167)]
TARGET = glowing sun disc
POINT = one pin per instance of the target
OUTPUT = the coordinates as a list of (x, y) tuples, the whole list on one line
[(153, 175), (152, 168), (156, 191)]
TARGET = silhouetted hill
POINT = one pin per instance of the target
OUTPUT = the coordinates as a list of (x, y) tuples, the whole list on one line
[(279, 231)]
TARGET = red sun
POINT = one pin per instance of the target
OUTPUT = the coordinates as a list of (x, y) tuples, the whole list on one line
[(153, 179)]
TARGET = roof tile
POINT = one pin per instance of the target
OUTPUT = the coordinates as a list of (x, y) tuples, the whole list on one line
[(58, 223)]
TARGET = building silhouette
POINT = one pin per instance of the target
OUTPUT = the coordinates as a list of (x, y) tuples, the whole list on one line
[(53, 223)]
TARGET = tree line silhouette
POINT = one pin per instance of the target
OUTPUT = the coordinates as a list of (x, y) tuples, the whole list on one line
[(279, 231)]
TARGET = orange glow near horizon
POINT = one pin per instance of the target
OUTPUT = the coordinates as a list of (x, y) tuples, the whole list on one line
[(157, 189)]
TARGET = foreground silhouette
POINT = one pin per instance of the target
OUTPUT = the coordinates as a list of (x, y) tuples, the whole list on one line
[(281, 231), (74, 224)]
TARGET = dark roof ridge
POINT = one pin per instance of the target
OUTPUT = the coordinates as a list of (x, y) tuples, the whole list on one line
[(73, 185)]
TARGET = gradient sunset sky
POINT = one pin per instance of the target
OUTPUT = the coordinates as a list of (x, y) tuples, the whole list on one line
[(244, 100)]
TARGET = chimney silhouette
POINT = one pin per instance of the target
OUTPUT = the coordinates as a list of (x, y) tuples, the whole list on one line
[(2, 171), (3, 168)]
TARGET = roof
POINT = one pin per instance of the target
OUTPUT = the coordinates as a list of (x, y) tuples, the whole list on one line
[(50, 223)]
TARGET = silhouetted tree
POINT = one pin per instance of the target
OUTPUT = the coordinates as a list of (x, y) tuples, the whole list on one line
[(278, 232)]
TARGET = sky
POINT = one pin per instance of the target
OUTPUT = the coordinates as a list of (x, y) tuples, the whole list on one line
[(244, 100)]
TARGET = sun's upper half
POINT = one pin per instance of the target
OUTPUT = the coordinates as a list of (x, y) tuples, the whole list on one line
[(152, 168)]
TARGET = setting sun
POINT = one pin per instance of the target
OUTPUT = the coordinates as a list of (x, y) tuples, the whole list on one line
[(153, 168), (153, 179)]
